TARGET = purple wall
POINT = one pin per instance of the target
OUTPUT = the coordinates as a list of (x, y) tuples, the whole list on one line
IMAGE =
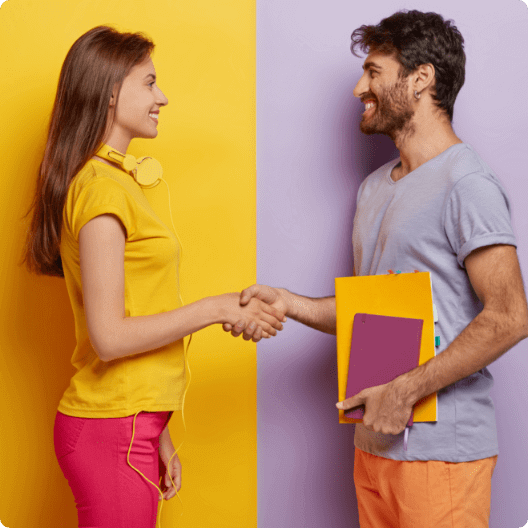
[(311, 159)]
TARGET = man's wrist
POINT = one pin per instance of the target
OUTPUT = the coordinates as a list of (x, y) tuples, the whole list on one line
[(406, 388), (287, 297)]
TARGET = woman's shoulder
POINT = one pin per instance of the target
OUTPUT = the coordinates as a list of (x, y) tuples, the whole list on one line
[(98, 174), (95, 190)]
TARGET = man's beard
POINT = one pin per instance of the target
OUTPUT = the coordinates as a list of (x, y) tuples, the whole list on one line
[(393, 113)]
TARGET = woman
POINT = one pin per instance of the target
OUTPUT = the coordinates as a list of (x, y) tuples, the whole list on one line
[(93, 225)]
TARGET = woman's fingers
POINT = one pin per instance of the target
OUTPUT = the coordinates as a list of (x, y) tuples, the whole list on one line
[(273, 312), (262, 325), (170, 490), (272, 321)]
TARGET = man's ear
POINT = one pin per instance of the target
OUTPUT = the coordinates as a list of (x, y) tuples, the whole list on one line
[(423, 77)]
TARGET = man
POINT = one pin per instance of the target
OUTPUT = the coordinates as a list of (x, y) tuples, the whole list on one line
[(438, 208)]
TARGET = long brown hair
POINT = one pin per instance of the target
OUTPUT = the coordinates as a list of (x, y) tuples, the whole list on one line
[(96, 64)]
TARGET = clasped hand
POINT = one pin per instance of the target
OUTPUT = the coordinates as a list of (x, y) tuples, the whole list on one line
[(254, 317), (270, 302)]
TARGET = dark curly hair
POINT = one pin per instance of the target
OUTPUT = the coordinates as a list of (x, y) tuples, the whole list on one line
[(416, 38)]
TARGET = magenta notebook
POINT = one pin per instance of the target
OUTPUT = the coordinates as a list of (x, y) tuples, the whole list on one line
[(382, 349)]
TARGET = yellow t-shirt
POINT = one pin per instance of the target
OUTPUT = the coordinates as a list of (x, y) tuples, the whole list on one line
[(150, 381)]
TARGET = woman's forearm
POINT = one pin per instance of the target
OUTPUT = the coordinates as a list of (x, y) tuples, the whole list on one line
[(125, 336), (166, 447)]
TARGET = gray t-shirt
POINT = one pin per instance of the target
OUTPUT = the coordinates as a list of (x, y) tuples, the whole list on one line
[(431, 220)]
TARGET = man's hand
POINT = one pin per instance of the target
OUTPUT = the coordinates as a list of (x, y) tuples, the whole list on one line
[(387, 410), (271, 296)]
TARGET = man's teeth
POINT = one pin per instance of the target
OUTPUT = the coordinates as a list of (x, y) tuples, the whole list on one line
[(155, 116), (368, 106)]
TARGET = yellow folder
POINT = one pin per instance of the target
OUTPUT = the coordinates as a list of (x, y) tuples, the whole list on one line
[(394, 294)]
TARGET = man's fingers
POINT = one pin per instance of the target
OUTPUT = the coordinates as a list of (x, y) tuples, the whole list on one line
[(248, 293), (349, 403), (257, 336), (238, 328), (250, 330)]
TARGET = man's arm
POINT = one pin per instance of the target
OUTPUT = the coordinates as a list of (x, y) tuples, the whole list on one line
[(495, 275), (318, 313)]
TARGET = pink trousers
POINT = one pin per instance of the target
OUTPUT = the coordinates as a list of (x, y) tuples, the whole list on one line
[(92, 453)]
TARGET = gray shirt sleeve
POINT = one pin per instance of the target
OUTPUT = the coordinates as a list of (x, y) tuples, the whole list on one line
[(477, 214)]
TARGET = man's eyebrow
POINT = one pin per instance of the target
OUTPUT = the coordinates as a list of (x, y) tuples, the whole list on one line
[(371, 64), (150, 75)]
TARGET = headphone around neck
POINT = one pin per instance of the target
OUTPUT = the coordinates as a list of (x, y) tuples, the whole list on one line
[(146, 171)]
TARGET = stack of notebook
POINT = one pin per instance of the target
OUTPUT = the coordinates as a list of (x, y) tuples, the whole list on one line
[(385, 327)]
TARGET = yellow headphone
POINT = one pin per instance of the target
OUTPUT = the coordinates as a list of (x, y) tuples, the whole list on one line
[(146, 171)]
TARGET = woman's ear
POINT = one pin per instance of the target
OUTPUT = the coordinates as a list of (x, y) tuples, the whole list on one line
[(113, 98)]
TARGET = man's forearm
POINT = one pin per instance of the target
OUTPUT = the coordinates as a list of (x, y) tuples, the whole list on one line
[(317, 313), (483, 341)]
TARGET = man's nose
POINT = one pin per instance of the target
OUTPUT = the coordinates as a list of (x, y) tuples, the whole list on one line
[(361, 86)]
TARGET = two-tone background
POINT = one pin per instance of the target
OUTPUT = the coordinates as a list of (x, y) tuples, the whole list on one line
[(261, 149)]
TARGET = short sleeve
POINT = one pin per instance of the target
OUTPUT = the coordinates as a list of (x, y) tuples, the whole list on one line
[(103, 196), (477, 214)]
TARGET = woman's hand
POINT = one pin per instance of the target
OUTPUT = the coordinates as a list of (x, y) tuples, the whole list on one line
[(166, 450), (257, 318)]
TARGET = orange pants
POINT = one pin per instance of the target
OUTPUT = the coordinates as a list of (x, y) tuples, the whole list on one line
[(428, 494)]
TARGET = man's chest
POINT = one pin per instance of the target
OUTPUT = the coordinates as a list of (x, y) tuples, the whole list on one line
[(399, 220)]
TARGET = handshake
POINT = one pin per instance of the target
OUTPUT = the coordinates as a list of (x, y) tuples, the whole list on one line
[(258, 312)]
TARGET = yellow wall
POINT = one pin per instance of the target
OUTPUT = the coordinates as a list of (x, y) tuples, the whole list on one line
[(205, 61)]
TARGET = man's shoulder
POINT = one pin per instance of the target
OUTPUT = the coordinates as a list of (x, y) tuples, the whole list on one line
[(463, 162)]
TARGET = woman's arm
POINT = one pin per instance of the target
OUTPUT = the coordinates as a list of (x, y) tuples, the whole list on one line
[(101, 253)]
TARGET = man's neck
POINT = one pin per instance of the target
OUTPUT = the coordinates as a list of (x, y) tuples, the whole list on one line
[(431, 137)]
